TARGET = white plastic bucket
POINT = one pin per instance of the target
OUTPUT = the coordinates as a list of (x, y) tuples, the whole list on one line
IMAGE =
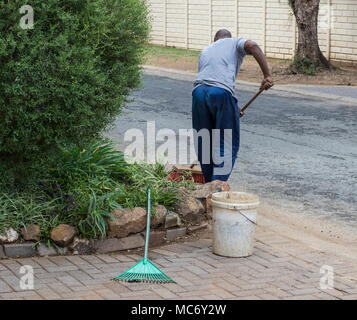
[(234, 222)]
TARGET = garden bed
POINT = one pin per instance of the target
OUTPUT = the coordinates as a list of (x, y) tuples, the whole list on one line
[(91, 200)]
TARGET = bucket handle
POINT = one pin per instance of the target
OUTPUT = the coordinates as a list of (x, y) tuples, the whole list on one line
[(247, 217)]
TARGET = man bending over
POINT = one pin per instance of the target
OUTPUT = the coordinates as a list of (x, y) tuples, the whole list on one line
[(215, 111)]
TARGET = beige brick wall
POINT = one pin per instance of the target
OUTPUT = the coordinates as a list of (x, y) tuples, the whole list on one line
[(192, 23)]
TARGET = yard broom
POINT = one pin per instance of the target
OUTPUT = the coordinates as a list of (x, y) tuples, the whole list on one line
[(145, 270)]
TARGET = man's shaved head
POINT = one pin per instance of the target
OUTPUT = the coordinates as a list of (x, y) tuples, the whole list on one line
[(221, 34)]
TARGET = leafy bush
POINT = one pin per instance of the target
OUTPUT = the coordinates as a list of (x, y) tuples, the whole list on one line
[(81, 187), (66, 79), (16, 211)]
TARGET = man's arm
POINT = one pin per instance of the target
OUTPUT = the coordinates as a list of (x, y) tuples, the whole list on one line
[(252, 48)]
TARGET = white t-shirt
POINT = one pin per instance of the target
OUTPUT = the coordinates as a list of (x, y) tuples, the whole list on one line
[(220, 62)]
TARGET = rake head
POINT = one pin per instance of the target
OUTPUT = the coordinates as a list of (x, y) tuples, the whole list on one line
[(144, 271)]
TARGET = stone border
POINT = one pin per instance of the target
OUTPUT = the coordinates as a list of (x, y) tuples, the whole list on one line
[(135, 241), (191, 215)]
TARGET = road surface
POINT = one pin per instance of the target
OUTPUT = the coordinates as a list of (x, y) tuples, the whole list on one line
[(297, 152)]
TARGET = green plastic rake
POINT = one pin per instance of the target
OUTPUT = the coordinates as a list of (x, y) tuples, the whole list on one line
[(145, 270)]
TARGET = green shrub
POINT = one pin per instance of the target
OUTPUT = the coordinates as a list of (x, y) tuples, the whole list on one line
[(82, 187), (66, 79), (304, 65), (16, 211)]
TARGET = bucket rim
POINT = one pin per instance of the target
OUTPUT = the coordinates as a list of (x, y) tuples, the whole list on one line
[(252, 203)]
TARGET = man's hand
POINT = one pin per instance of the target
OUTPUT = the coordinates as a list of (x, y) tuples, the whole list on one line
[(267, 83), (241, 113)]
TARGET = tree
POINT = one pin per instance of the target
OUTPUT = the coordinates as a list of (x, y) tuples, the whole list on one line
[(306, 14), (64, 80)]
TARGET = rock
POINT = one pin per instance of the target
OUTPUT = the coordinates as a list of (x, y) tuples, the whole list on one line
[(208, 205), (31, 232), (127, 221), (157, 238), (193, 229), (204, 193), (44, 251), (8, 236), (206, 190), (82, 246), (172, 220), (159, 218), (63, 235), (2, 253), (190, 209), (173, 234), (16, 250), (115, 244)]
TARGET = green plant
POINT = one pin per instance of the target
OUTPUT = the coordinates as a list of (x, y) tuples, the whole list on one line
[(163, 191), (66, 79), (94, 224), (81, 187), (304, 65), (17, 211), (93, 160)]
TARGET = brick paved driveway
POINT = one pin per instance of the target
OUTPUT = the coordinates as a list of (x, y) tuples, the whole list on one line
[(279, 269)]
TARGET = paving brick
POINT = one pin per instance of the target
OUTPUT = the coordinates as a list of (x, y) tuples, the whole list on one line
[(268, 296), (61, 261), (33, 296), (252, 292), (302, 297), (107, 294), (349, 297), (44, 262), (211, 297), (107, 258), (76, 260), (21, 295), (306, 291), (62, 269), (4, 287), (165, 293), (48, 294), (60, 288), (269, 274), (222, 293), (250, 298)]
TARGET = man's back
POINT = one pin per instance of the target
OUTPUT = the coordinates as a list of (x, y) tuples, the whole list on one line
[(220, 62)]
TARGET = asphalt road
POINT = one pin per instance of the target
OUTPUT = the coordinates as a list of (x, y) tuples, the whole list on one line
[(297, 151)]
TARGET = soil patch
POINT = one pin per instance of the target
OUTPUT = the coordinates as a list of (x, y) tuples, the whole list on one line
[(250, 71)]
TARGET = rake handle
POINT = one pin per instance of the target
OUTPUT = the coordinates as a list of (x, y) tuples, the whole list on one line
[(147, 236), (251, 100)]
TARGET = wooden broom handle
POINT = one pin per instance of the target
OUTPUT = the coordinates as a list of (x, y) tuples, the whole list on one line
[(251, 100)]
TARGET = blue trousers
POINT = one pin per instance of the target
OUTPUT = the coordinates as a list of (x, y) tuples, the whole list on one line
[(215, 114)]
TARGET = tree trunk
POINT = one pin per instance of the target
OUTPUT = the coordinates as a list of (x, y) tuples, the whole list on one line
[(306, 14)]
